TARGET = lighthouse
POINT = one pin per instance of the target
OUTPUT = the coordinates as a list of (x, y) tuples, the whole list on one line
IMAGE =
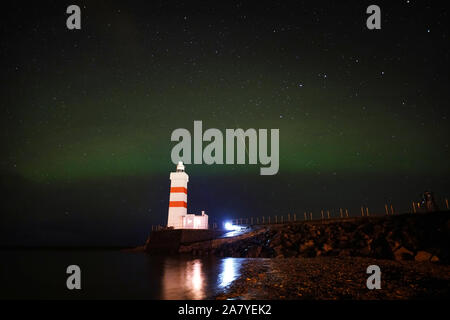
[(178, 218)]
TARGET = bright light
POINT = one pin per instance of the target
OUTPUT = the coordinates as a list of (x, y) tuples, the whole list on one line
[(229, 226)]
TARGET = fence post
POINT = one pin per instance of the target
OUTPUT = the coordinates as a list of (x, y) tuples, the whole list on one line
[(295, 217), (328, 214), (310, 216), (446, 202), (281, 219), (263, 220), (414, 206), (386, 208), (289, 217), (362, 211), (392, 209), (340, 211), (321, 213), (367, 211)]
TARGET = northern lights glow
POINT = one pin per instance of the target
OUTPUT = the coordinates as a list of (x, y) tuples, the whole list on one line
[(87, 115)]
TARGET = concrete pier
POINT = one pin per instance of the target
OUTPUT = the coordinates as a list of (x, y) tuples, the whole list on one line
[(169, 241)]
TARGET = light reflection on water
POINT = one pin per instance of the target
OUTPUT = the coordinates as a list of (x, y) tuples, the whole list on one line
[(229, 271), (198, 279), (194, 272), (183, 279), (112, 274)]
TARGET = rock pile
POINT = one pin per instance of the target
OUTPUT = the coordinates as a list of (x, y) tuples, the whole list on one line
[(404, 237)]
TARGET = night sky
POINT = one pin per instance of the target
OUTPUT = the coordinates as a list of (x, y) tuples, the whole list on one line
[(86, 115)]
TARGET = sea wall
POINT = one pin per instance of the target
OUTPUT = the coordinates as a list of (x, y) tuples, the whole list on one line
[(420, 237), (170, 240)]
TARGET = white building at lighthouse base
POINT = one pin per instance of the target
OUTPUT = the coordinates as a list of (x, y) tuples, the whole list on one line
[(193, 221)]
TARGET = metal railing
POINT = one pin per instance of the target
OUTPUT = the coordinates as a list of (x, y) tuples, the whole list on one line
[(323, 215)]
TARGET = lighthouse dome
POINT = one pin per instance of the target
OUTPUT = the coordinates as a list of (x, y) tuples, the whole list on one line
[(180, 166)]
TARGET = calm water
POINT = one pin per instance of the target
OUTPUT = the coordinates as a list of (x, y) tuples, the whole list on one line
[(114, 274)]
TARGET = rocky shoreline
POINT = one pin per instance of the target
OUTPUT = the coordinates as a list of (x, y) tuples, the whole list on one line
[(337, 278), (407, 237), (329, 259)]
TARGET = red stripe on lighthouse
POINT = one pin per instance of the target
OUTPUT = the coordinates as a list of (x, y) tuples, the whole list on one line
[(177, 204), (178, 189)]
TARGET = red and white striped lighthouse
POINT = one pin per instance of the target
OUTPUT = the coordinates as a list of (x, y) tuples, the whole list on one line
[(178, 216), (178, 197)]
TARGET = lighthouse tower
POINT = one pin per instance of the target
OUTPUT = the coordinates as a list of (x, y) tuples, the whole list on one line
[(178, 216), (178, 197)]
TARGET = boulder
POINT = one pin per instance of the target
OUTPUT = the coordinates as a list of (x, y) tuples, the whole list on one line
[(278, 250), (434, 259), (327, 247), (423, 256), (380, 249), (305, 246), (402, 254), (254, 252), (288, 244), (289, 253)]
